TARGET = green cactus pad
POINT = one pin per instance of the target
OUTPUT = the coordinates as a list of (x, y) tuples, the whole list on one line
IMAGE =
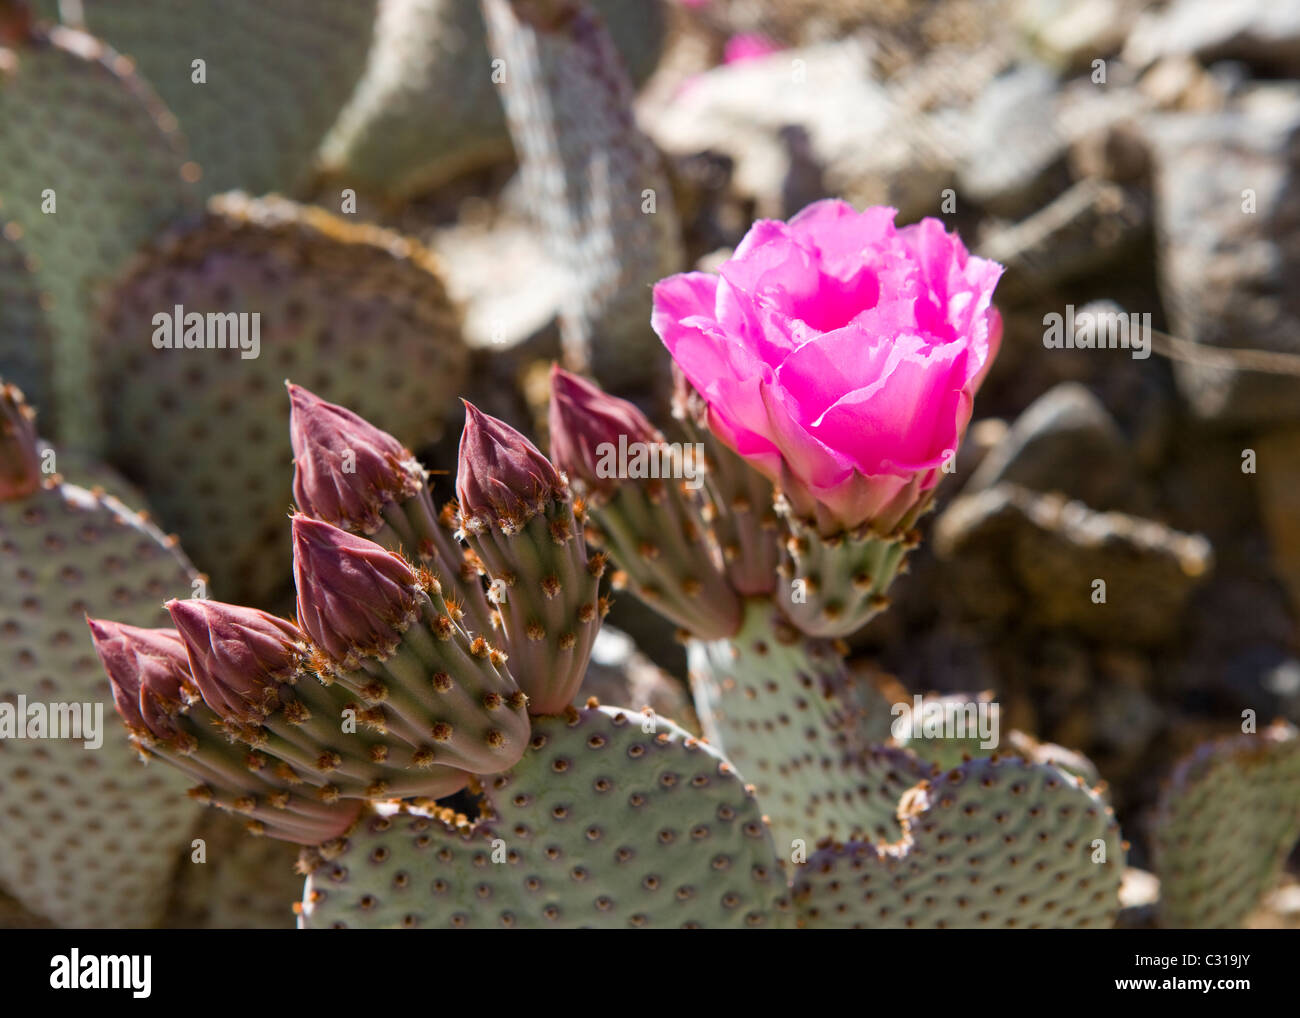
[(1224, 826), (87, 837), (25, 337), (356, 313), (995, 842), (801, 729), (432, 54), (602, 824), (591, 175), (941, 750), (277, 75), (82, 134)]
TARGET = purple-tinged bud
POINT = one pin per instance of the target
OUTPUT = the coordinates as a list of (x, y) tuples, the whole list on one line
[(20, 464), (345, 469), (354, 597), (149, 672), (238, 656), (589, 427), (501, 477)]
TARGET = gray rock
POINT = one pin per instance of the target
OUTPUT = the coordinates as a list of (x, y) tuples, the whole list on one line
[(1265, 33), (1037, 559), (1065, 441), (1092, 224), (620, 676), (1016, 154), (1070, 34), (808, 120), (1228, 274)]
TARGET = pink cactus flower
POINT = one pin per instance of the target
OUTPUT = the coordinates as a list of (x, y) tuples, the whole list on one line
[(747, 46), (839, 355)]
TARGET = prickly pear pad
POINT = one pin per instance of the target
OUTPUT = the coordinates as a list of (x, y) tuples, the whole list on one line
[(1224, 826), (88, 835), (996, 842), (613, 819)]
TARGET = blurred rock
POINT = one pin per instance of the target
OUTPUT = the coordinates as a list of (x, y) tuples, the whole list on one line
[(1114, 151), (805, 121), (1139, 898), (1065, 441), (620, 676), (1070, 34), (1264, 33), (1181, 83), (502, 276), (1084, 228), (1040, 557), (1228, 222), (1280, 909), (1016, 155)]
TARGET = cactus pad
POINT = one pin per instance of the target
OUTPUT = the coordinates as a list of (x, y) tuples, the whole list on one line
[(357, 313), (87, 836), (25, 337), (1224, 826), (602, 824), (801, 729), (432, 54), (82, 135), (993, 843), (597, 182), (276, 76)]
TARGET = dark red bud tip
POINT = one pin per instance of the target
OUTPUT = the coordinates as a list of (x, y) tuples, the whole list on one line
[(346, 469), (20, 463), (15, 22), (149, 672), (354, 597), (501, 477), (237, 655), (588, 427)]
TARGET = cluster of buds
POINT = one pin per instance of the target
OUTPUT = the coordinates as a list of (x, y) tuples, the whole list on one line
[(397, 681)]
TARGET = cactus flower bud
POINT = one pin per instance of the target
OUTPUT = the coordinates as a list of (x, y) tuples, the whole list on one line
[(353, 596), (502, 477), (149, 673), (20, 470), (238, 655), (587, 426), (345, 469)]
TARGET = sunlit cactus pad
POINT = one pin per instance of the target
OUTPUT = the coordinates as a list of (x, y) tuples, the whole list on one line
[(992, 843), (603, 824)]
